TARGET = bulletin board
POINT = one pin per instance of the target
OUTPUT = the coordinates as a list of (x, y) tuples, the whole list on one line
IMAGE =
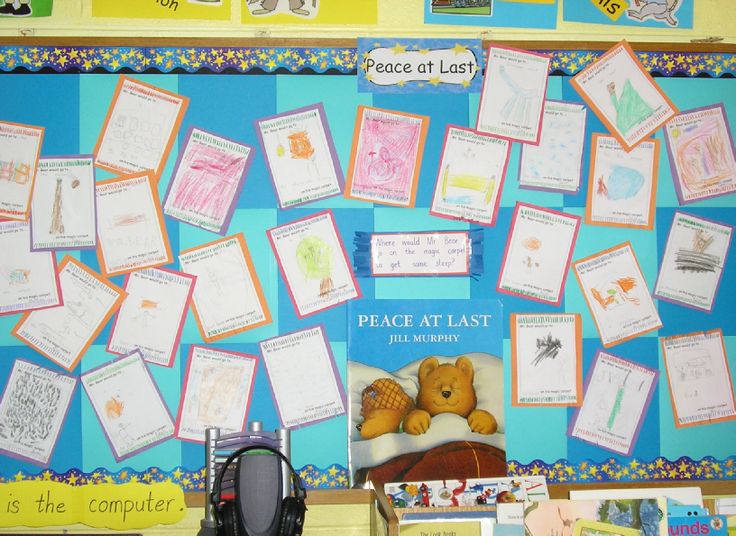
[(68, 89)]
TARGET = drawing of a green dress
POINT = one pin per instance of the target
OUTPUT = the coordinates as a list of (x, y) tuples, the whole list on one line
[(631, 108), (314, 258)]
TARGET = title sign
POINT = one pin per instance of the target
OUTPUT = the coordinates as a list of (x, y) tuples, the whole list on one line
[(419, 65), (612, 9), (42, 503)]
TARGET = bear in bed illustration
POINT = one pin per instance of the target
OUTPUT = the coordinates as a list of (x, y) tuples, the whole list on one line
[(436, 417)]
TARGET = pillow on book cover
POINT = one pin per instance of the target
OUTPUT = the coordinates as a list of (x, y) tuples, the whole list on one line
[(487, 381)]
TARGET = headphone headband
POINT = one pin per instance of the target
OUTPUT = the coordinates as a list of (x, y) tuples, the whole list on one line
[(299, 491)]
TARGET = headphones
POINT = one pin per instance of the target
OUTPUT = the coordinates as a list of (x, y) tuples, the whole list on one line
[(226, 513)]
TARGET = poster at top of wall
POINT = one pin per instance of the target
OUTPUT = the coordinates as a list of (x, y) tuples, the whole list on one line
[(26, 8), (162, 9), (649, 13), (493, 13), (309, 12)]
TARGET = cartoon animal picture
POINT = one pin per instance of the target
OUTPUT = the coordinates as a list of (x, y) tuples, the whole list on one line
[(447, 388), (269, 7), (659, 10)]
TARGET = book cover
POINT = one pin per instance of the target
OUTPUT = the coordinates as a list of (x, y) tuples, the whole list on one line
[(425, 390)]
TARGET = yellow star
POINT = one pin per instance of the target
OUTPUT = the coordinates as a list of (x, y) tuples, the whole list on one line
[(72, 479), (25, 58), (399, 48), (219, 60), (47, 475), (109, 479), (424, 51), (177, 474), (511, 467), (18, 476), (115, 64), (133, 478), (271, 65), (634, 464), (465, 83), (435, 81), (459, 49), (230, 54), (535, 470), (401, 83)]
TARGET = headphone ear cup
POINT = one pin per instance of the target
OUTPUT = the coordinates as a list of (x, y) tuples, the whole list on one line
[(230, 521), (292, 516)]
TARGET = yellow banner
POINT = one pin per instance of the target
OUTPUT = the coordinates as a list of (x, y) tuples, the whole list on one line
[(273, 12), (42, 503), (612, 9), (162, 9)]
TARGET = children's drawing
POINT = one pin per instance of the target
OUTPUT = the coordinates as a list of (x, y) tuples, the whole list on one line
[(19, 174), (260, 8), (615, 293), (659, 10), (209, 182), (469, 182), (32, 411), (57, 225), (622, 183), (521, 104), (219, 388), (389, 150), (314, 258), (703, 155), (631, 109), (114, 407), (547, 348), (695, 259), (531, 244)]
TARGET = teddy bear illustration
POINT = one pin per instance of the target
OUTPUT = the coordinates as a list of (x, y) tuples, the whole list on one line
[(447, 388)]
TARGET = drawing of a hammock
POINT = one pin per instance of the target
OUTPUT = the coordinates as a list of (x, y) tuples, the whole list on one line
[(466, 181)]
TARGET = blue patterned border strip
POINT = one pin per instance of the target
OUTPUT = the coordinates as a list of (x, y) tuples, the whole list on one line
[(334, 476), (634, 470), (86, 59)]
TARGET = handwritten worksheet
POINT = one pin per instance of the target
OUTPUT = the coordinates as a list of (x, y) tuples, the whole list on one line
[(63, 209), (556, 163), (538, 253), (470, 177), (152, 315), (617, 395), (314, 263), (386, 156), (64, 333), (692, 265), (416, 254), (139, 129), (546, 359), (217, 390), (303, 377), (622, 186), (20, 148), (227, 297), (701, 153), (699, 378), (512, 98), (128, 405), (28, 279), (33, 408), (130, 226), (207, 180), (301, 155), (623, 95), (617, 294)]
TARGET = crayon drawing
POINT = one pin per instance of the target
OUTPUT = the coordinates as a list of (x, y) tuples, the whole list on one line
[(696, 259), (703, 155), (521, 104), (630, 107), (459, 188), (623, 182), (18, 174), (209, 182), (613, 294), (314, 258)]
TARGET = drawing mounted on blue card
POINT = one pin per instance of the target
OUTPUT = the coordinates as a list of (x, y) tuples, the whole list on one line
[(496, 13), (649, 13), (389, 65)]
